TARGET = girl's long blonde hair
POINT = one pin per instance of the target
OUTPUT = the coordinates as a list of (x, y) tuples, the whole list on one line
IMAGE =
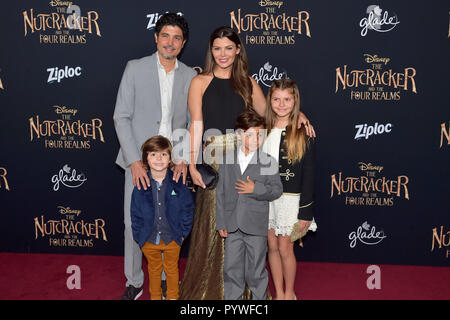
[(296, 138)]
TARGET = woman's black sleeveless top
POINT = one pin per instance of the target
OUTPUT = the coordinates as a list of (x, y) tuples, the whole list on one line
[(221, 105)]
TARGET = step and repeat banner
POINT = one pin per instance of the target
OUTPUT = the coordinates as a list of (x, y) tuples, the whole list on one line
[(373, 78)]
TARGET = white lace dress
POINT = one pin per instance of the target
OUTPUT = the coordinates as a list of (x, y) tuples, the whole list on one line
[(283, 211)]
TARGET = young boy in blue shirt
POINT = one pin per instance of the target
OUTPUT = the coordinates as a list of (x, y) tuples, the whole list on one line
[(161, 217)]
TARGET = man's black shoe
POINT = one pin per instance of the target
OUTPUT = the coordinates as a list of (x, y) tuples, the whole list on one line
[(132, 293)]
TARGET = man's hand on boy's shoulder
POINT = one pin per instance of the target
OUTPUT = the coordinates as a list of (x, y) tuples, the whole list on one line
[(140, 177), (245, 187)]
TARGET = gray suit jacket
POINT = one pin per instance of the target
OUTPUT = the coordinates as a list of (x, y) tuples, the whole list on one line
[(137, 115), (248, 212)]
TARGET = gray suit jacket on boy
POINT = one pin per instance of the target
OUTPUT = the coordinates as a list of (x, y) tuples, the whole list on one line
[(137, 115), (247, 212)]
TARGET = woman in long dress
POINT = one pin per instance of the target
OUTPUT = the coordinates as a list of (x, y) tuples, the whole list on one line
[(216, 97)]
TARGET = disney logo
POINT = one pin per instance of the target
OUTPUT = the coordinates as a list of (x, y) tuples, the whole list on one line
[(59, 3), (375, 59), (64, 210), (369, 167), (266, 3), (363, 234), (63, 109), (68, 178)]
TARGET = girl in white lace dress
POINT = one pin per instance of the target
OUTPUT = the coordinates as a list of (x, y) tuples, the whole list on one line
[(294, 151)]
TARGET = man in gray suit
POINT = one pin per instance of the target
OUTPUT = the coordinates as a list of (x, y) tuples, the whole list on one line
[(152, 100), (243, 192)]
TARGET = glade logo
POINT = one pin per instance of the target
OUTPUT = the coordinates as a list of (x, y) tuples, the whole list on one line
[(366, 235), (154, 17), (56, 74), (377, 20), (68, 177), (365, 131), (267, 74)]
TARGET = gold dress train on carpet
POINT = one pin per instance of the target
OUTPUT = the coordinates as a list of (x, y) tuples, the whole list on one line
[(203, 276)]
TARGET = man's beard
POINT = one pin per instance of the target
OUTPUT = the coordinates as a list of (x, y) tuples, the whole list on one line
[(166, 56)]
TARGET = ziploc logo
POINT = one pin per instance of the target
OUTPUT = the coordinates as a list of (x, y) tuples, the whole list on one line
[(365, 131), (57, 74)]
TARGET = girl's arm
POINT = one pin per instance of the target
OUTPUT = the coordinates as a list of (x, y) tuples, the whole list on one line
[(306, 210)]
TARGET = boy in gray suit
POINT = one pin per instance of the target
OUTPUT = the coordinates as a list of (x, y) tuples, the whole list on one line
[(243, 192)]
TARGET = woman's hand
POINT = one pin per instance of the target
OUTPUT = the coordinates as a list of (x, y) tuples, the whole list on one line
[(223, 233), (304, 225), (196, 176), (303, 120), (180, 170)]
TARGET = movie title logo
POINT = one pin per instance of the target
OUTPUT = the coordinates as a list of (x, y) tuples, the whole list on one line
[(369, 189), (3, 181), (441, 240), (58, 74), (66, 133), (272, 26), (375, 82), (65, 25), (367, 235), (68, 177), (154, 17), (377, 20), (69, 230), (445, 133), (267, 74), (365, 131)]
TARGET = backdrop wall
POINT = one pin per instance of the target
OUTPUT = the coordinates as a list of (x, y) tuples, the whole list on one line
[(373, 79)]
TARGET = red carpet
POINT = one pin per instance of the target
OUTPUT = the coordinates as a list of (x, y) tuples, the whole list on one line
[(43, 276)]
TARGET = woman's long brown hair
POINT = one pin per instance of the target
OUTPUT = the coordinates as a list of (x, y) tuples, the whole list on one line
[(240, 81), (295, 141)]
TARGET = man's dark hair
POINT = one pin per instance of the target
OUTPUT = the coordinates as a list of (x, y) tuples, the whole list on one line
[(175, 20), (249, 119)]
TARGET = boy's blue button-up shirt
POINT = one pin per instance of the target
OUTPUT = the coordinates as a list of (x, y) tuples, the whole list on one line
[(161, 227)]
